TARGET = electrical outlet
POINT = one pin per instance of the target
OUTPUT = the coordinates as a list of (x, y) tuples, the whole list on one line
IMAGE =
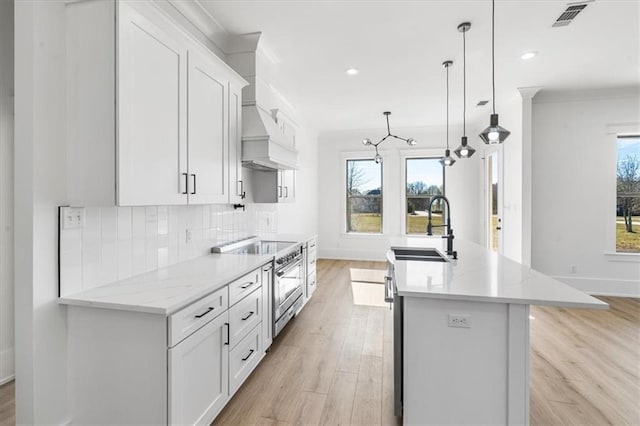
[(72, 217), (459, 321)]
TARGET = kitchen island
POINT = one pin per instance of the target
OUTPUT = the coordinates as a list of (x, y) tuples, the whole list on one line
[(461, 331)]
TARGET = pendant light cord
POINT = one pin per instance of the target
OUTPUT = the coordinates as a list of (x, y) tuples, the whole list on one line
[(464, 82), (493, 55), (447, 106)]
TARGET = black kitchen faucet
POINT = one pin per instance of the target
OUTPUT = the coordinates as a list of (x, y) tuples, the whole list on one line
[(449, 236)]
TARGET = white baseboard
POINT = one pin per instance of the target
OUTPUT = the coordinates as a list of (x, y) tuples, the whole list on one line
[(352, 254), (7, 366), (603, 286)]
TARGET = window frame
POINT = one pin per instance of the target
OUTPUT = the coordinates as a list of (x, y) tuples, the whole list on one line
[(416, 154), (618, 136), (613, 131), (360, 156)]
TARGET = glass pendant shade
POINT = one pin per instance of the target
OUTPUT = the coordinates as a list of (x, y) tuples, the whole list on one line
[(411, 142), (447, 160), (378, 158), (366, 141), (464, 150), (494, 134)]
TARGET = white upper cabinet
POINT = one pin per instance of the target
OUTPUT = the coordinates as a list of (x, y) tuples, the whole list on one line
[(208, 173), (148, 111), (152, 92)]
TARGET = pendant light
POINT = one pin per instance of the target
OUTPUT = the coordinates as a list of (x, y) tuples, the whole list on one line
[(464, 150), (494, 134), (447, 160), (367, 141)]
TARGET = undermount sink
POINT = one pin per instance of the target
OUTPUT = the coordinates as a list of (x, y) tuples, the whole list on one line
[(419, 254)]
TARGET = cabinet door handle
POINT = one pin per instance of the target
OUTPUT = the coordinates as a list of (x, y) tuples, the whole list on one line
[(241, 193), (248, 316), (248, 355), (279, 191), (211, 308), (286, 192), (247, 285), (194, 183), (227, 325), (186, 183)]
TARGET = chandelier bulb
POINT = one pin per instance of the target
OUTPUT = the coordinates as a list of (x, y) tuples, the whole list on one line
[(378, 158)]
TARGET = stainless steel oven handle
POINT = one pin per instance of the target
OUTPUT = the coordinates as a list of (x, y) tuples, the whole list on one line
[(388, 294), (288, 268)]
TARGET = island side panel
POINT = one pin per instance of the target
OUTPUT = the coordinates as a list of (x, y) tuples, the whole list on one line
[(455, 375), (117, 366)]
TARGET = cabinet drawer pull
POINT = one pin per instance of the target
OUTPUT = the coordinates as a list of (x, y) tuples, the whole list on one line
[(247, 285), (211, 308), (227, 325), (286, 192), (186, 183), (248, 355), (194, 183), (248, 316)]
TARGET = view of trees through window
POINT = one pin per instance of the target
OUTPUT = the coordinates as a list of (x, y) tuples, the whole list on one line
[(364, 196), (424, 179), (628, 194)]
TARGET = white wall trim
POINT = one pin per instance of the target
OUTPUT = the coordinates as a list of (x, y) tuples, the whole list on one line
[(603, 286), (553, 96)]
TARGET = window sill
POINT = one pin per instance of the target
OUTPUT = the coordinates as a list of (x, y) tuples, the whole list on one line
[(622, 257), (362, 234)]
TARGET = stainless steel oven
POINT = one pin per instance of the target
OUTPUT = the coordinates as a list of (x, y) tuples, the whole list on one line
[(287, 288), (288, 276)]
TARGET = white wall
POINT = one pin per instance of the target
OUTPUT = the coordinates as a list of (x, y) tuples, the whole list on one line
[(574, 178), (6, 191), (461, 189), (41, 365)]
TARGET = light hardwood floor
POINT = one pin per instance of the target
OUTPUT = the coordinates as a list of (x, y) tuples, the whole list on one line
[(333, 363), (7, 404)]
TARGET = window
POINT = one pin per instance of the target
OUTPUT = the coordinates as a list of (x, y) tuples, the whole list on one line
[(424, 179), (364, 196), (628, 194)]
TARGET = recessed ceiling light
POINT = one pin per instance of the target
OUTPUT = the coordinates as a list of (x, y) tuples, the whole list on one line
[(352, 71), (528, 55)]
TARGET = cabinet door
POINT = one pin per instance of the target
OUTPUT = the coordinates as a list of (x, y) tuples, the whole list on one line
[(208, 138), (236, 184), (288, 182), (152, 93), (199, 375)]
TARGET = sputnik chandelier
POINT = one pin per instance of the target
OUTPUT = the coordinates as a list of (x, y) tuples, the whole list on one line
[(367, 141)]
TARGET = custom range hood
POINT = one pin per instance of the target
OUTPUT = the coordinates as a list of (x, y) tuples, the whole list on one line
[(264, 144)]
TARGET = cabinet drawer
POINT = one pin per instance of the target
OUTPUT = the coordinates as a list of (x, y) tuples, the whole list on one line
[(194, 316), (244, 358), (244, 316), (239, 288), (311, 284)]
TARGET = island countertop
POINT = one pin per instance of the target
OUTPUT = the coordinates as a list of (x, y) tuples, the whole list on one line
[(481, 275)]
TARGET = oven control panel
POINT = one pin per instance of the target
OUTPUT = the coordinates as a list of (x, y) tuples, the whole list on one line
[(288, 258)]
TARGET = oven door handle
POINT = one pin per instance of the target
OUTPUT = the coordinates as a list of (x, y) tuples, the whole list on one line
[(284, 271)]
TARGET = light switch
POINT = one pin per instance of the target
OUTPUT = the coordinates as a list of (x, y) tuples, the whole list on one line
[(72, 217)]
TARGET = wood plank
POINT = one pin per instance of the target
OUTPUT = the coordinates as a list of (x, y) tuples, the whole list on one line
[(367, 405), (339, 404)]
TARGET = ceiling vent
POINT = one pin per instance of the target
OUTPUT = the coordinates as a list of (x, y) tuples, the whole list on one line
[(482, 103), (570, 13)]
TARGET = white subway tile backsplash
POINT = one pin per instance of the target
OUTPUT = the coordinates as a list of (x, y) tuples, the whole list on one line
[(119, 242), (91, 247), (109, 245)]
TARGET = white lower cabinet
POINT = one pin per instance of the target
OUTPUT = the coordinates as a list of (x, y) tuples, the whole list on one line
[(244, 358), (198, 380), (129, 367)]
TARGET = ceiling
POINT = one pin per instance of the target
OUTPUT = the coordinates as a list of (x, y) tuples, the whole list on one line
[(399, 46)]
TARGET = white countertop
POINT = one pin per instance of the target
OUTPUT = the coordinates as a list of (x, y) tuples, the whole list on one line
[(482, 275), (169, 289)]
